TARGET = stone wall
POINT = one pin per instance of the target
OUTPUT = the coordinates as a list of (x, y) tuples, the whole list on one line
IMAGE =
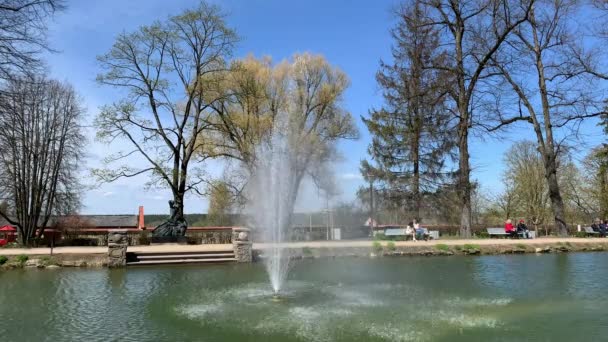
[(117, 248)]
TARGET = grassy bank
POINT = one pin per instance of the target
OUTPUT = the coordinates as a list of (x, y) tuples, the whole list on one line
[(52, 261), (379, 249)]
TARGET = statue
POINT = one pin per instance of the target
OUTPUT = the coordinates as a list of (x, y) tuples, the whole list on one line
[(174, 227)]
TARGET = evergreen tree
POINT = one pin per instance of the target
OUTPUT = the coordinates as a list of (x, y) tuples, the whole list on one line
[(410, 135)]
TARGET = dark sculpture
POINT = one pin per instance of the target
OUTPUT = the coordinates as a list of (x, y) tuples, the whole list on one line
[(175, 227)]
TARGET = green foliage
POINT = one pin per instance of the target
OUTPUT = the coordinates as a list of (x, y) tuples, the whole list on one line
[(482, 235), (377, 247), (458, 247), (580, 234), (470, 246), (442, 247), (307, 251), (379, 236), (3, 259), (391, 246), (22, 258), (47, 260), (520, 246)]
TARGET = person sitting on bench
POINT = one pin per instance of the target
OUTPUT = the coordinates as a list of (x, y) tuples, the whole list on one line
[(509, 228), (596, 225), (523, 229), (603, 227)]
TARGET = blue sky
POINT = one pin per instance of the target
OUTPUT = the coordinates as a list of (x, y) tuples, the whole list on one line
[(352, 35)]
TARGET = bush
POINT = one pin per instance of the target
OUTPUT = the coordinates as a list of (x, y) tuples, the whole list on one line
[(580, 234), (482, 235), (377, 247), (22, 259), (306, 251), (391, 246), (379, 237), (470, 246), (3, 259), (442, 247)]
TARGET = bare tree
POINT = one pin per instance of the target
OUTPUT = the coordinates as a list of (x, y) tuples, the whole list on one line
[(23, 34), (166, 69), (556, 92), (474, 30), (41, 145)]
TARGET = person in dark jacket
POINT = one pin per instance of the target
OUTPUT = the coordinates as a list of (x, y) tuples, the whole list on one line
[(522, 229), (596, 225), (603, 228)]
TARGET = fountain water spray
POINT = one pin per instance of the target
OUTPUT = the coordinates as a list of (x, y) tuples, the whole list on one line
[(272, 192)]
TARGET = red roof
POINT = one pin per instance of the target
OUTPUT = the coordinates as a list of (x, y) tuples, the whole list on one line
[(7, 229)]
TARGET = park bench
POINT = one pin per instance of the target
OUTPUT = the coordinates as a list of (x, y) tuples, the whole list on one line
[(590, 231), (396, 231), (500, 232)]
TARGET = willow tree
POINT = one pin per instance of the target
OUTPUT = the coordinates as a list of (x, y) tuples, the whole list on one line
[(525, 173), (595, 165), (306, 90), (411, 136), (472, 33), (162, 70), (41, 145)]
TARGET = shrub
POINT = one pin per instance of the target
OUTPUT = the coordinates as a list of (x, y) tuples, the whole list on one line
[(470, 246), (482, 235), (580, 234), (3, 259), (22, 259), (379, 237), (391, 246), (306, 251), (377, 247), (442, 247)]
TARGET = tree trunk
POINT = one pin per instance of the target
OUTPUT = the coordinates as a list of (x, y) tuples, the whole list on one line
[(557, 203), (464, 185)]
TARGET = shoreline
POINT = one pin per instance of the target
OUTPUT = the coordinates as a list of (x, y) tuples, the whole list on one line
[(97, 256)]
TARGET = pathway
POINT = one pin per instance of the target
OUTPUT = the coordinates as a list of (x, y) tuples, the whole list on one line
[(309, 244)]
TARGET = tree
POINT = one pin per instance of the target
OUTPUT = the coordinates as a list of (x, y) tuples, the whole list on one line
[(23, 34), (473, 31), (41, 142), (410, 133), (525, 174), (595, 165), (302, 98), (563, 90), (166, 69), (221, 201)]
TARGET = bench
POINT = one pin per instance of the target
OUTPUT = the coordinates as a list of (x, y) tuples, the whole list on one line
[(590, 231), (496, 232), (422, 233), (500, 232)]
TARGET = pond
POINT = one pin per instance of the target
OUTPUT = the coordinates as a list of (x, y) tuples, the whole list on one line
[(560, 297)]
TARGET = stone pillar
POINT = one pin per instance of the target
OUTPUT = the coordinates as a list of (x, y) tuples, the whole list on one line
[(117, 248), (241, 244)]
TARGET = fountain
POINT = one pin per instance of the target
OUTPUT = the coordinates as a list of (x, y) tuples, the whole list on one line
[(272, 192)]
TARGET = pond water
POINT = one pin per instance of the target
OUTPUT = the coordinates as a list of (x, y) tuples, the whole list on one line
[(489, 298)]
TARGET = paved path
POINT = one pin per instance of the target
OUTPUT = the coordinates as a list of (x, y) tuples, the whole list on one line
[(310, 244)]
